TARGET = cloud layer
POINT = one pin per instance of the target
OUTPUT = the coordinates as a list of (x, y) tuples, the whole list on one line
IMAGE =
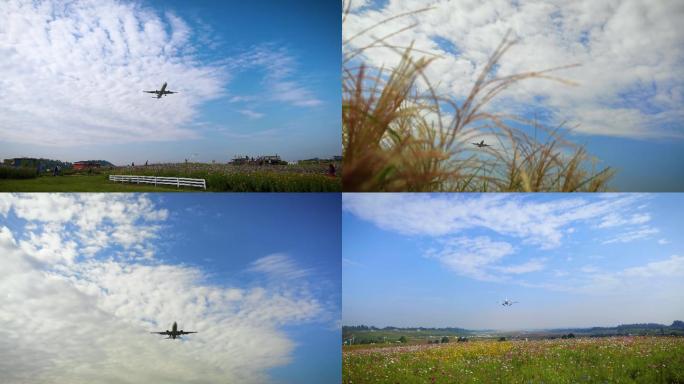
[(479, 236), (630, 51), (73, 74), (80, 291)]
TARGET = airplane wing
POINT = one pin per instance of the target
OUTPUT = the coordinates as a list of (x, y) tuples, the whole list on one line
[(163, 333), (169, 92), (185, 332), (150, 91)]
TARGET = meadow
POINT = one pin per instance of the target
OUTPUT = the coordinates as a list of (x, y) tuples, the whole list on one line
[(627, 359), (220, 178)]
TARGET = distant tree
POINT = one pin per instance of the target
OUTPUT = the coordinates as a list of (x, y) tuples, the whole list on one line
[(571, 335), (445, 339), (402, 339), (502, 338)]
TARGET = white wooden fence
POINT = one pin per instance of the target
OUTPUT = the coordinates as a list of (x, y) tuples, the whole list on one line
[(177, 181)]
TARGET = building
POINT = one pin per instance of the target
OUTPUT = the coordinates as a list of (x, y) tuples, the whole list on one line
[(241, 160), (270, 159), (81, 165), (260, 160)]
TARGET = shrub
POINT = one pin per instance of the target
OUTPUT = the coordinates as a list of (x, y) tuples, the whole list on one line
[(17, 173)]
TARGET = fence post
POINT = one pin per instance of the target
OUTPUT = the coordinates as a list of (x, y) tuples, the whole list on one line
[(177, 182)]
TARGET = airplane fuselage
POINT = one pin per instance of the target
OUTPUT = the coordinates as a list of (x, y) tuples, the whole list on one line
[(174, 329)]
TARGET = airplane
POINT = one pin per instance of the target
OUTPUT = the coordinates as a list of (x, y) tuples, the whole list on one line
[(161, 92), (508, 303), (174, 333), (481, 144)]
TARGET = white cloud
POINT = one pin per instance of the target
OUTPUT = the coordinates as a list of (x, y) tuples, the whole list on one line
[(280, 82), (449, 220), (631, 54), (526, 267), (70, 317), (637, 234), (280, 266), (598, 281), (251, 114), (473, 257), (351, 263), (538, 223), (663, 241), (615, 220), (73, 73), (674, 266), (64, 226)]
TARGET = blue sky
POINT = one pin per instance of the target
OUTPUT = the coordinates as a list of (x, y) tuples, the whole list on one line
[(570, 260), (627, 106), (257, 275), (254, 78)]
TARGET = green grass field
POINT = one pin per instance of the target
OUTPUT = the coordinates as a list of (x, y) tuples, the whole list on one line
[(79, 183), (632, 359)]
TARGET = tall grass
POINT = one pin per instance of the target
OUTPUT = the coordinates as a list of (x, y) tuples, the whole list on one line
[(397, 136)]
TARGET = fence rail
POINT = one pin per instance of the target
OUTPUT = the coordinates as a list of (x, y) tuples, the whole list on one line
[(177, 181)]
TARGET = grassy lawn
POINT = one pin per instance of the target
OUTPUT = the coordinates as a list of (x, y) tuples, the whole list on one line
[(80, 183)]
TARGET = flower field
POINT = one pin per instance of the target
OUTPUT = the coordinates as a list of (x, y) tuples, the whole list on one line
[(246, 178), (584, 360)]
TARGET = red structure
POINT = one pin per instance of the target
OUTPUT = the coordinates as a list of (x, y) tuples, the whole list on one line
[(81, 165)]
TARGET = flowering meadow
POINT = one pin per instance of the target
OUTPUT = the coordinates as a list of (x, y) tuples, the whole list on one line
[(628, 359), (246, 178)]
